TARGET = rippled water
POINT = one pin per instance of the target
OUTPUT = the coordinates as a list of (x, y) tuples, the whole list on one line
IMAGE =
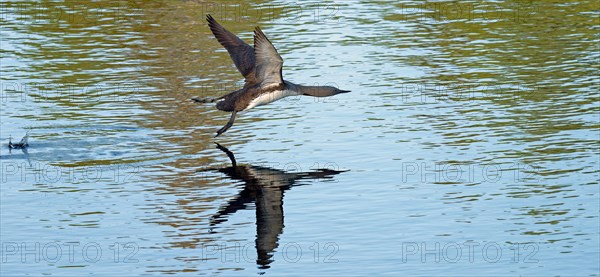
[(468, 146)]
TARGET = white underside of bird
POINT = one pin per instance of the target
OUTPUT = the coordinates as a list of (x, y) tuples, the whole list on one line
[(270, 97)]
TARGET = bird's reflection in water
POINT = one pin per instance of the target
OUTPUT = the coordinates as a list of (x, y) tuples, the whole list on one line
[(17, 156), (265, 186)]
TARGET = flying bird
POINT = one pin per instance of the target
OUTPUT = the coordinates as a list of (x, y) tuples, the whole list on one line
[(261, 67)]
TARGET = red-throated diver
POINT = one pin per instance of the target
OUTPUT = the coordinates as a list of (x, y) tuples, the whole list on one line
[(261, 68)]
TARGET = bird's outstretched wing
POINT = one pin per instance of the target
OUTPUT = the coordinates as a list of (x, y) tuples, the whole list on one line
[(240, 52), (268, 61)]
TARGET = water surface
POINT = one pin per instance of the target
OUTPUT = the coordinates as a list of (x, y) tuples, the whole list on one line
[(468, 146)]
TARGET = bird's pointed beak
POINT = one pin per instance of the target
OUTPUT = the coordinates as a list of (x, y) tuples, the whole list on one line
[(344, 91)]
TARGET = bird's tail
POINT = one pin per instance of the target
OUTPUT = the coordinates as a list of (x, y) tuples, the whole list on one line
[(204, 100)]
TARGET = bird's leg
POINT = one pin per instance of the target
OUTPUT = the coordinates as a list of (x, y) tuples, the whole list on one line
[(228, 125), (229, 154)]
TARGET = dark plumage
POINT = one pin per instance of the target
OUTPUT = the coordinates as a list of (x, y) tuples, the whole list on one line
[(261, 67), (240, 52), (24, 143)]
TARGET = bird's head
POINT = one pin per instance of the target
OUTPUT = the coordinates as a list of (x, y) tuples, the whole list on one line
[(338, 91)]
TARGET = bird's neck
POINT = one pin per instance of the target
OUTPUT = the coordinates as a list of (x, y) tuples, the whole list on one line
[(317, 91)]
